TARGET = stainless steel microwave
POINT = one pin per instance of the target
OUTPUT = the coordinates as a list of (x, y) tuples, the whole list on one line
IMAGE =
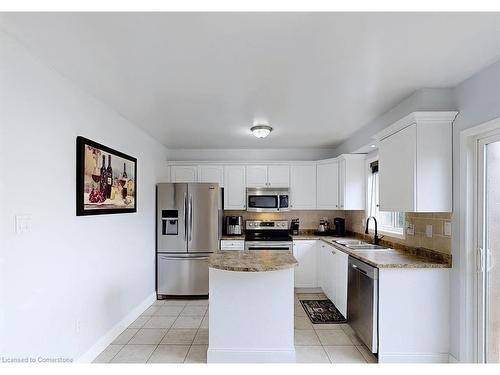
[(268, 199)]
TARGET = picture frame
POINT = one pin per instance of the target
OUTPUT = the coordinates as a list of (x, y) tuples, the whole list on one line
[(106, 180)]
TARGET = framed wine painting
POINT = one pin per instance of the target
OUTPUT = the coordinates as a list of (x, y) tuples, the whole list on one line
[(106, 180)]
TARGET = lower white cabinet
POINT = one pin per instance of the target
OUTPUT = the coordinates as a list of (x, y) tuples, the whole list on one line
[(232, 245), (305, 273), (332, 274)]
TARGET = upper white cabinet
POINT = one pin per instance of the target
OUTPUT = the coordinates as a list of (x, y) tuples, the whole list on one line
[(211, 173), (183, 173), (415, 163), (327, 185), (268, 176), (305, 272), (351, 182), (341, 183), (303, 186), (234, 187)]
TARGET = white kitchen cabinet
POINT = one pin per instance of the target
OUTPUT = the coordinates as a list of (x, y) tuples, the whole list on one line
[(351, 177), (268, 176), (415, 163), (327, 185), (305, 272), (278, 176), (340, 280), (236, 245), (303, 186), (183, 173), (234, 187), (211, 173), (256, 175)]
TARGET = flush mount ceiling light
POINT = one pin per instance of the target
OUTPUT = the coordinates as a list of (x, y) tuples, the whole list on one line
[(261, 131)]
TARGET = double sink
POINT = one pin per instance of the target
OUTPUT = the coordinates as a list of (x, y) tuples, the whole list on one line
[(357, 245)]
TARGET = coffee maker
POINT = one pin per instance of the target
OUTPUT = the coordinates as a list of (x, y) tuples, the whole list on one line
[(339, 230), (234, 225)]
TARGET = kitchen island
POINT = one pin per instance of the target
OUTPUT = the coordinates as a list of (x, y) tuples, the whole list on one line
[(251, 311)]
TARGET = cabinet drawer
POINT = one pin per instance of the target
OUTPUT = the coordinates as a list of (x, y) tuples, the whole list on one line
[(232, 245)]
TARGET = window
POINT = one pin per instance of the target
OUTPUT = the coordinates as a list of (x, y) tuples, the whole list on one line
[(390, 223)]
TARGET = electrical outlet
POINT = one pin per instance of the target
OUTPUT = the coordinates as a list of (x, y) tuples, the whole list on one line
[(447, 228), (428, 230), (23, 224), (410, 229)]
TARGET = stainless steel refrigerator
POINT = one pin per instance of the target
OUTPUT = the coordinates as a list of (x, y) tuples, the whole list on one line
[(189, 225)]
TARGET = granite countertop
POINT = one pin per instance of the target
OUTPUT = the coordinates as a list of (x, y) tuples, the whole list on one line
[(252, 261), (392, 258), (229, 237)]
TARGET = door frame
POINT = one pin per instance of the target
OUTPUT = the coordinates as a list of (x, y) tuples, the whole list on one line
[(465, 224)]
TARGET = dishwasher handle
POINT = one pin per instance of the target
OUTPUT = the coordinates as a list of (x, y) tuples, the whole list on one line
[(359, 269)]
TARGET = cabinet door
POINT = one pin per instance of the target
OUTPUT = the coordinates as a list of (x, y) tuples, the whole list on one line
[(278, 176), (397, 168), (341, 282), (327, 185), (342, 183), (211, 173), (320, 264), (303, 187), (183, 173), (257, 176), (305, 272), (330, 258), (234, 187)]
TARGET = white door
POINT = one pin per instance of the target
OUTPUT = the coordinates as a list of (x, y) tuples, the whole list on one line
[(330, 277), (183, 173), (327, 186), (342, 183), (488, 238), (278, 176), (341, 282), (305, 272), (211, 173), (303, 187), (234, 187), (257, 176), (397, 168)]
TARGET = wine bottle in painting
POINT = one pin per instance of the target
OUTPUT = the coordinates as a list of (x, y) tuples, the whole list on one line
[(124, 181), (102, 186), (109, 178)]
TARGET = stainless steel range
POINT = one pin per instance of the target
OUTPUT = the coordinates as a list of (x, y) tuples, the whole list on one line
[(267, 235)]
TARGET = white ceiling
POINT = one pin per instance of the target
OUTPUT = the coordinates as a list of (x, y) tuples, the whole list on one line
[(199, 80)]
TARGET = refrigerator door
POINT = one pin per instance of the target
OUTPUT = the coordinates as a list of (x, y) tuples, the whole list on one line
[(204, 208), (182, 275), (171, 218)]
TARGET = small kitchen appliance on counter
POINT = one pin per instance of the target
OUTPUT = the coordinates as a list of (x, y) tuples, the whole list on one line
[(339, 230), (323, 228), (294, 226), (234, 225)]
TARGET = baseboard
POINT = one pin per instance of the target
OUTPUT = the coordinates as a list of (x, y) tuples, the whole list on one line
[(250, 356), (413, 358), (114, 332)]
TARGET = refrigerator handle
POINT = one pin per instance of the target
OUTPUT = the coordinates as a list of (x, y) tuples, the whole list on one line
[(190, 216), (184, 217)]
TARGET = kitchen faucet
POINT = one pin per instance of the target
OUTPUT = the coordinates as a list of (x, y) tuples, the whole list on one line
[(376, 238)]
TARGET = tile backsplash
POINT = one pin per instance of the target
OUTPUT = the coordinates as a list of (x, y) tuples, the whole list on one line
[(309, 219), (355, 222)]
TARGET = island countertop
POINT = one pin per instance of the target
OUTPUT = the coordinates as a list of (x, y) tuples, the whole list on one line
[(252, 260)]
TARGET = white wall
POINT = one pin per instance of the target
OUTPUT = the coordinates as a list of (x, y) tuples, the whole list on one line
[(95, 269)]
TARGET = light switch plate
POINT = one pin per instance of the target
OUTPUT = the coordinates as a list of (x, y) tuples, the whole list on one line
[(447, 228), (428, 230), (23, 224)]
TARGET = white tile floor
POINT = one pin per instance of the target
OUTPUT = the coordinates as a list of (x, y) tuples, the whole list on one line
[(176, 331)]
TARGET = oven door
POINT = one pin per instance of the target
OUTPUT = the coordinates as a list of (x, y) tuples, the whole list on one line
[(263, 203), (269, 245)]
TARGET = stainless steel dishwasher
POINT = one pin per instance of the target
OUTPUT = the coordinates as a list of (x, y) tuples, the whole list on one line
[(362, 302)]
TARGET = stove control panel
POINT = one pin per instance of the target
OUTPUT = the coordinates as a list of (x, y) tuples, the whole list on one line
[(266, 224)]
